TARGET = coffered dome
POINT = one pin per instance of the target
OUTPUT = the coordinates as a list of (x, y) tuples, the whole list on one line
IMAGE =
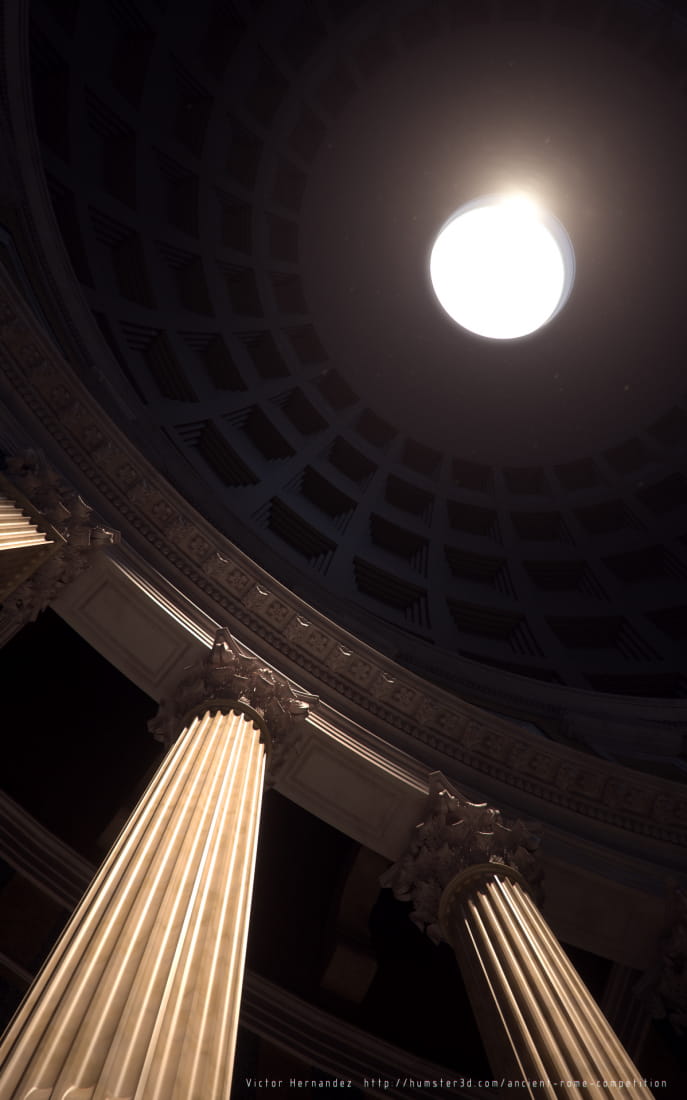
[(248, 194)]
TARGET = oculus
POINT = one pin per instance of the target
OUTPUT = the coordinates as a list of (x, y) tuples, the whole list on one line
[(502, 267)]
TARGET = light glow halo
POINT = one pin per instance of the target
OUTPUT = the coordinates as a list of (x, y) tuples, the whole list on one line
[(501, 267)]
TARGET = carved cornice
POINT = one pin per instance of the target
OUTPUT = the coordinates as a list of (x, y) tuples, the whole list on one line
[(455, 836), (226, 678), (396, 703)]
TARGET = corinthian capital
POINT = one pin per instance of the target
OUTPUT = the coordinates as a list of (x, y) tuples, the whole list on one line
[(226, 678), (58, 509), (454, 836)]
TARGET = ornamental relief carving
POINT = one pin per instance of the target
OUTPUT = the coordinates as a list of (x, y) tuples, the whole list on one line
[(41, 371), (427, 714), (496, 745), (270, 609), (542, 766), (224, 678), (621, 795), (579, 781), (518, 755), (338, 659), (457, 834), (127, 477), (663, 808), (307, 637), (318, 644), (488, 744), (198, 547), (450, 723), (62, 398), (93, 438), (279, 614), (161, 512), (360, 672), (74, 417), (404, 698), (473, 734), (235, 579), (382, 685)]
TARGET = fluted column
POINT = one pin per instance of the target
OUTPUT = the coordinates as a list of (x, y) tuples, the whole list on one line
[(140, 998), (471, 877), (544, 1024), (624, 1007)]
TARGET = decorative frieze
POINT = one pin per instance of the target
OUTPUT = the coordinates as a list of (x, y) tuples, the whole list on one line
[(308, 637), (226, 572)]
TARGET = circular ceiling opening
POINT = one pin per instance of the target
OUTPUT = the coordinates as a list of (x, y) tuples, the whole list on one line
[(502, 267)]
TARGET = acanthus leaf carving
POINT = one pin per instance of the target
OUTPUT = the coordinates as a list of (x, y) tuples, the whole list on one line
[(455, 835), (227, 677)]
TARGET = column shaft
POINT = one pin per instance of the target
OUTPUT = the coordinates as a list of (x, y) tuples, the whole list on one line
[(140, 997), (538, 1020)]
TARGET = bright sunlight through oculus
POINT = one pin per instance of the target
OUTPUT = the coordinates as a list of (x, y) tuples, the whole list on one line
[(501, 267)]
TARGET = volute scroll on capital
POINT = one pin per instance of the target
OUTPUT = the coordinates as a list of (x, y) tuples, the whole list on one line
[(458, 841), (226, 679)]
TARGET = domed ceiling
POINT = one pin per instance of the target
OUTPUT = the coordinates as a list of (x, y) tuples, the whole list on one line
[(248, 194)]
